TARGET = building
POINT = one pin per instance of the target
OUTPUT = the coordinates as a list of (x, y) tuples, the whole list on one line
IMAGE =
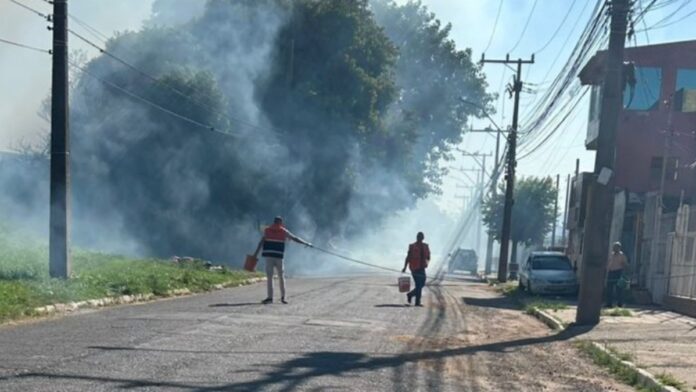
[(655, 149), (658, 120)]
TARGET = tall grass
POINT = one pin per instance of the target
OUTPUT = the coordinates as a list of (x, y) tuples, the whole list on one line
[(25, 283)]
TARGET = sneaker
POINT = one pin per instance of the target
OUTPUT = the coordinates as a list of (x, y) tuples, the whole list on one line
[(419, 305), (283, 300), (267, 301), (409, 298)]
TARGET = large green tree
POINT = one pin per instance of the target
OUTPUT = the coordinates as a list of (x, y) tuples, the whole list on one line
[(334, 120), (532, 213)]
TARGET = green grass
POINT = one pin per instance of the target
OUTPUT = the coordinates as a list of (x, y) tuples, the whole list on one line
[(25, 284), (671, 381), (622, 372), (617, 312), (545, 305)]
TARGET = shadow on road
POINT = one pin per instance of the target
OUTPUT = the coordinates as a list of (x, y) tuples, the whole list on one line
[(495, 302), (392, 306), (292, 373), (235, 305)]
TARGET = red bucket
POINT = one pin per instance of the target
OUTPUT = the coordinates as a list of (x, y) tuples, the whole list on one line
[(404, 284), (250, 263)]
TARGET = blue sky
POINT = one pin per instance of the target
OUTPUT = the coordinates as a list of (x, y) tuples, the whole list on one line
[(25, 76)]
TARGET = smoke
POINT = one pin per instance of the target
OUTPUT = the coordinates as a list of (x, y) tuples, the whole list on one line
[(307, 126)]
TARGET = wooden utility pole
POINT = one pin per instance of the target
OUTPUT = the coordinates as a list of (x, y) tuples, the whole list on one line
[(515, 89), (555, 210), (600, 203), (59, 232)]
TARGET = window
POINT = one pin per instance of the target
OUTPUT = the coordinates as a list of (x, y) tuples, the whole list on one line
[(645, 95), (555, 263), (685, 93), (595, 101)]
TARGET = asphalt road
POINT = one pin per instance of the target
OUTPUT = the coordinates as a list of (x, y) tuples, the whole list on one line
[(352, 334)]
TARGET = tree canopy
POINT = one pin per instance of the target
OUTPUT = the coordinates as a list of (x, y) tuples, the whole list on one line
[(532, 213), (334, 113)]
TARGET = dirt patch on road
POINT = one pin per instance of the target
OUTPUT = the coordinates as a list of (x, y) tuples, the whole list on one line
[(478, 340)]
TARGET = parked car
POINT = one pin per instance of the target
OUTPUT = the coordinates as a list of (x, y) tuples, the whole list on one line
[(463, 260), (549, 273)]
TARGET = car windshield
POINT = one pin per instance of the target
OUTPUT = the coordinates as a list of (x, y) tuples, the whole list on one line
[(557, 263)]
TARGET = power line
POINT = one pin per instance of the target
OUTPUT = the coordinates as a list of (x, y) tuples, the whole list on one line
[(150, 103), (524, 30), (169, 86), (17, 44), (495, 26), (560, 25), (32, 10)]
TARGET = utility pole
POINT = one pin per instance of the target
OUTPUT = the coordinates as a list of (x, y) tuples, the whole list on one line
[(555, 210), (481, 184), (516, 88), (565, 213), (59, 232), (600, 203), (494, 192)]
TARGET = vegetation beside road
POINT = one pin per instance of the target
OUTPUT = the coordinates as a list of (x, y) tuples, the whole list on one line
[(25, 284), (627, 374)]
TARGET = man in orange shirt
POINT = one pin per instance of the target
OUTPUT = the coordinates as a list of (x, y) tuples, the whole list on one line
[(417, 261), (273, 245)]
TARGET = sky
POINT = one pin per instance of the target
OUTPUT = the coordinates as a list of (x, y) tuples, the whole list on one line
[(25, 75)]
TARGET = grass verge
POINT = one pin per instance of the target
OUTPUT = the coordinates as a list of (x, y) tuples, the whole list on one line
[(622, 372), (25, 284), (672, 381), (617, 312)]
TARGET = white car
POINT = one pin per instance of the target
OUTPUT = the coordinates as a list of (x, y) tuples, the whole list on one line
[(548, 273)]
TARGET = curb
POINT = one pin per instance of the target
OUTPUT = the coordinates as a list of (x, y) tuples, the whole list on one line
[(547, 319), (130, 299), (646, 378)]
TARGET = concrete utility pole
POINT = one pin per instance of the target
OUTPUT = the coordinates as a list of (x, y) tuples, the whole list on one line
[(481, 185), (555, 210), (493, 192), (59, 235), (565, 213), (516, 88), (600, 203)]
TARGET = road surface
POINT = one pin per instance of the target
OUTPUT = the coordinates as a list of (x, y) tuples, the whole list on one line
[(350, 334)]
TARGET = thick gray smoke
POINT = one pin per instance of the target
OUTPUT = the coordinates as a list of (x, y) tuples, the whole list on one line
[(308, 127)]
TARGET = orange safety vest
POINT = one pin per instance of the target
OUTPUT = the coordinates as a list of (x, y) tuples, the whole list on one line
[(418, 256), (274, 241)]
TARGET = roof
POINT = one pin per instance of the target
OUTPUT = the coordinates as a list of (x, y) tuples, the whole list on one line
[(593, 71)]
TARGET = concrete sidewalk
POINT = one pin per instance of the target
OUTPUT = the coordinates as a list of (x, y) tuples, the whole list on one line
[(659, 341)]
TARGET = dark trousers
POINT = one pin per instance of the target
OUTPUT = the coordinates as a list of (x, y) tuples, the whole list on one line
[(612, 280), (419, 279)]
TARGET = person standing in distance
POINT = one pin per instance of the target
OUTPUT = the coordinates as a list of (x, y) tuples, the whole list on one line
[(273, 245), (615, 270), (417, 261)]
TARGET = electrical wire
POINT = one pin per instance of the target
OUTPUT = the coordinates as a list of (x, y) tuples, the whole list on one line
[(20, 45), (524, 30), (175, 90), (31, 9), (495, 26), (560, 25), (150, 103)]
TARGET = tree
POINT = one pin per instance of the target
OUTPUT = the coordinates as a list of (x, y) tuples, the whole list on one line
[(532, 214), (334, 122)]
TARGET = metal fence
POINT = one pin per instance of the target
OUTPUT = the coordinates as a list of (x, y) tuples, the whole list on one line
[(682, 266)]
